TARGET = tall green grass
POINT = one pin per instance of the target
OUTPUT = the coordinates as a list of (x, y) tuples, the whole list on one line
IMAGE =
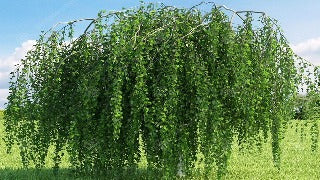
[(298, 161)]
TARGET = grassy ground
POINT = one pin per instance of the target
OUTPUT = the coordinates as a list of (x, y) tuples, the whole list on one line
[(298, 162)]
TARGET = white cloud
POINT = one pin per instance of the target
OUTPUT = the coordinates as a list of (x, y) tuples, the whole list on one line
[(3, 97), (19, 53), (7, 65), (309, 50)]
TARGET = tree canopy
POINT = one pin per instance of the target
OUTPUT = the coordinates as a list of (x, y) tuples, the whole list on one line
[(176, 82)]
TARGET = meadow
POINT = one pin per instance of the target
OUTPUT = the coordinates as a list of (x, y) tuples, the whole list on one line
[(297, 161)]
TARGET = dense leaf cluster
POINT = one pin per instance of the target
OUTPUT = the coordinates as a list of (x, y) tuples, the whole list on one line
[(174, 82)]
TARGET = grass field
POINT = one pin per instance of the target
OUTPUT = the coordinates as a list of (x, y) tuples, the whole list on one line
[(298, 162)]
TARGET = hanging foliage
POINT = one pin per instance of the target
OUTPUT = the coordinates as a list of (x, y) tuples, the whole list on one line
[(184, 81)]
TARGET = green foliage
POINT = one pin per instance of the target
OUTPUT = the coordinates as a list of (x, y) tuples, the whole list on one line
[(297, 162), (184, 81), (300, 107), (312, 112)]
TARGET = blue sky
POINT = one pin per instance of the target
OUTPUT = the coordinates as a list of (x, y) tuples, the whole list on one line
[(23, 20)]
